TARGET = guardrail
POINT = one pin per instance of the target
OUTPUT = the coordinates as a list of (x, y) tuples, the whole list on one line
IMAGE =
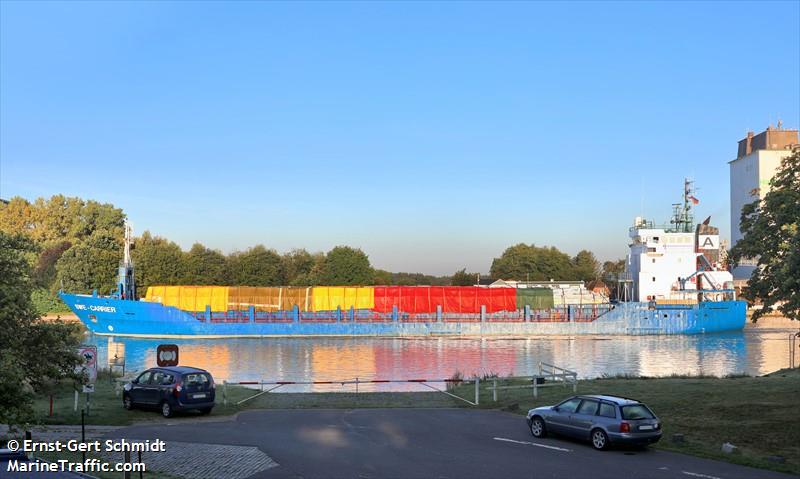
[(547, 372), (273, 385)]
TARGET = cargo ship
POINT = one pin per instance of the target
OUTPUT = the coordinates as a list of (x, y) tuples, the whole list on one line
[(674, 283)]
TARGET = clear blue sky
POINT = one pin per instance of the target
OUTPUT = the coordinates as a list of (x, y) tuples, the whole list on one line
[(431, 135)]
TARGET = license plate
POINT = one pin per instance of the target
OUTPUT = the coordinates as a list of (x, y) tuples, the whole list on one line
[(199, 395), (645, 428)]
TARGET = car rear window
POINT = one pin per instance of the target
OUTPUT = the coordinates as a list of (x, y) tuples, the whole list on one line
[(607, 410), (636, 411), (196, 378)]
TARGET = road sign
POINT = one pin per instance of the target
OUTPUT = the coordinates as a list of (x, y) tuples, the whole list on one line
[(88, 388), (167, 355), (89, 366)]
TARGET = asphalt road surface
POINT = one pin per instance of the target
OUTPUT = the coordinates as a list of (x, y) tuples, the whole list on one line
[(427, 443)]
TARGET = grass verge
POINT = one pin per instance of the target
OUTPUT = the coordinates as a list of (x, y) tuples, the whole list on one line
[(757, 414)]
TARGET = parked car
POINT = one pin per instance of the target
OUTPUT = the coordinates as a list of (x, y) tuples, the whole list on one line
[(603, 420), (171, 389)]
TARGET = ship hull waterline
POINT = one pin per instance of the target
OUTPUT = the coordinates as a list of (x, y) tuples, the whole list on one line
[(114, 317)]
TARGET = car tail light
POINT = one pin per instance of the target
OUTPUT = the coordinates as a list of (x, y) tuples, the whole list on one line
[(176, 391), (624, 427)]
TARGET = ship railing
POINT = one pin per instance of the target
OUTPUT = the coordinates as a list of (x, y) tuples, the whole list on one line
[(561, 313)]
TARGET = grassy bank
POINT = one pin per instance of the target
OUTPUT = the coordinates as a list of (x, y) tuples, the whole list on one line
[(757, 414)]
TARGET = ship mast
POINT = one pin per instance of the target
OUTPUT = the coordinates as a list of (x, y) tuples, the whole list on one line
[(682, 216), (126, 285)]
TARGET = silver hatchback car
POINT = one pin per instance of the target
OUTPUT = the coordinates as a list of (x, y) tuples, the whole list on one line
[(604, 420)]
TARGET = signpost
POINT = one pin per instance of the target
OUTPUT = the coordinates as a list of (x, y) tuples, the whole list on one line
[(167, 355), (88, 370)]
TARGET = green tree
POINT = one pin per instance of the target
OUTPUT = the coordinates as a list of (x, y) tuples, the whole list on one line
[(462, 278), (523, 262), (157, 261), (585, 266), (770, 229), (297, 264), (346, 266), (205, 266), (258, 266), (33, 353), (91, 264)]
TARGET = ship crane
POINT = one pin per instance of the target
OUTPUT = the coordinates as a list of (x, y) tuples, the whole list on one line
[(126, 283)]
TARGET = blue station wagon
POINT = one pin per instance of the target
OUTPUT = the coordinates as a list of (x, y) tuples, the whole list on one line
[(171, 389), (603, 420)]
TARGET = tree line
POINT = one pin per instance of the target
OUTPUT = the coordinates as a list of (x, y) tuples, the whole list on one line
[(77, 246)]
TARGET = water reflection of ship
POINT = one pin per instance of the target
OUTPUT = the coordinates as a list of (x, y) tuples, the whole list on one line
[(755, 351)]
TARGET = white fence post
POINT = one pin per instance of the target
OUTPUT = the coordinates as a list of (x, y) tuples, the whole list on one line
[(494, 390)]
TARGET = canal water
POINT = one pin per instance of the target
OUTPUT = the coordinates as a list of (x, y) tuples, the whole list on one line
[(758, 349)]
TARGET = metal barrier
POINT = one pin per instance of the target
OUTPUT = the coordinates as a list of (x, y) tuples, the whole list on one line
[(277, 384), (556, 375)]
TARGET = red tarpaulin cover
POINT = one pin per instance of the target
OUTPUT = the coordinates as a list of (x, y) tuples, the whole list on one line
[(453, 299)]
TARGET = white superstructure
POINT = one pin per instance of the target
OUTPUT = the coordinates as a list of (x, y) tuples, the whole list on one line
[(674, 262)]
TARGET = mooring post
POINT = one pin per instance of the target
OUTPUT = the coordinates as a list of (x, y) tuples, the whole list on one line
[(494, 390), (477, 390)]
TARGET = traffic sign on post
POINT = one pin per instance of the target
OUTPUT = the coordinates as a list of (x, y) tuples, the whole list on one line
[(167, 355), (88, 369)]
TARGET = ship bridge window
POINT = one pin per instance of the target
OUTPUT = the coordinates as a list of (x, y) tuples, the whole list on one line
[(654, 279), (655, 239)]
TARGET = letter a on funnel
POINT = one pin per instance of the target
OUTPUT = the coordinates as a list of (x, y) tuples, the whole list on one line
[(167, 355)]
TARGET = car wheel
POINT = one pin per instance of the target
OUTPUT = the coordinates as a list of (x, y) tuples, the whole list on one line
[(127, 403), (166, 409), (538, 428), (599, 439)]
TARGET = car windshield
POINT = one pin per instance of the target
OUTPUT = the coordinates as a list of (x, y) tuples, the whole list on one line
[(636, 411)]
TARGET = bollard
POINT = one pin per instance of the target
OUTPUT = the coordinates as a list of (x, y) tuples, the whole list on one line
[(494, 390), (29, 437), (477, 390), (127, 461)]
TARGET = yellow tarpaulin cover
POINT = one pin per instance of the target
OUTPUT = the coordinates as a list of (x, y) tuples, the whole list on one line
[(190, 298), (328, 298)]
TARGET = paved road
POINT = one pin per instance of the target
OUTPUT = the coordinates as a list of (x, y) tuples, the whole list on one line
[(427, 443)]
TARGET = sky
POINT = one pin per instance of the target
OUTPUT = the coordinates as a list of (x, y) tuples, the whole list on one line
[(430, 135)]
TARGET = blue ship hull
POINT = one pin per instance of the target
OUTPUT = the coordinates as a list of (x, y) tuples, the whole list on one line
[(115, 317)]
